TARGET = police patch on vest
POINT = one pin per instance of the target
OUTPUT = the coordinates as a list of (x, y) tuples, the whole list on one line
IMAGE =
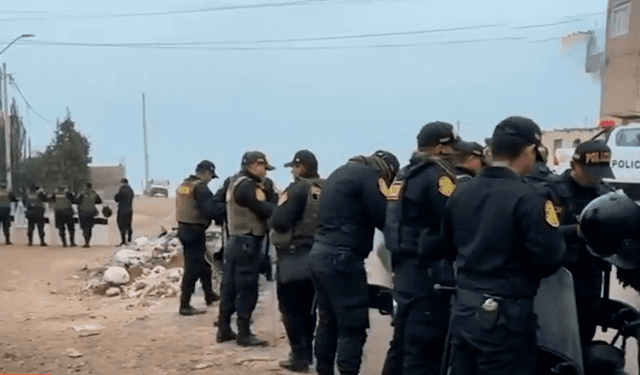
[(184, 190), (550, 215), (446, 186), (283, 198), (391, 193), (260, 195)]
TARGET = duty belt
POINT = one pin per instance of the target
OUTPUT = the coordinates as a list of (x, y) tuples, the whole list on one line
[(303, 245), (474, 298)]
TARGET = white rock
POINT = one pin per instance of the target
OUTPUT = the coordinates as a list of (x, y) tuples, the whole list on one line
[(112, 292), (158, 270), (175, 242), (127, 257), (116, 275)]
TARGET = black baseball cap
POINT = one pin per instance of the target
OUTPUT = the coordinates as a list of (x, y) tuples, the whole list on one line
[(468, 147), (206, 165), (251, 157), (514, 133), (390, 160), (435, 133), (304, 157), (595, 157)]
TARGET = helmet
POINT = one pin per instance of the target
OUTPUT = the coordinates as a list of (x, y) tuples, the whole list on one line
[(610, 226)]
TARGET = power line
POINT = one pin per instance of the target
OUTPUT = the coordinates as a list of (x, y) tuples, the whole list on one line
[(261, 41), (13, 82)]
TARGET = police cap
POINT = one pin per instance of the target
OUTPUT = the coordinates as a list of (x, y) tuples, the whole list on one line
[(595, 157), (124, 181), (251, 157), (306, 158), (468, 147), (206, 165), (389, 159), (513, 134), (435, 133), (609, 225)]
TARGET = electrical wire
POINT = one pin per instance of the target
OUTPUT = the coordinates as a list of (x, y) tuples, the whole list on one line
[(14, 84)]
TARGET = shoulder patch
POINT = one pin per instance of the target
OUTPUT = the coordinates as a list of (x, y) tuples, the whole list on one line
[(391, 193), (550, 215), (184, 190), (260, 194), (446, 186), (316, 191), (283, 198)]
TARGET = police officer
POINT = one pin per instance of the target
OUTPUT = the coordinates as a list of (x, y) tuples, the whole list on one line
[(575, 188), (294, 224), (469, 158), (194, 210), (250, 202), (503, 234), (540, 172), (61, 201), (412, 222), (87, 210), (34, 202), (353, 204), (124, 198), (6, 197)]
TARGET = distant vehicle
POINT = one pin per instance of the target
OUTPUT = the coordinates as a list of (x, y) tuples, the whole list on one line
[(157, 187), (623, 137)]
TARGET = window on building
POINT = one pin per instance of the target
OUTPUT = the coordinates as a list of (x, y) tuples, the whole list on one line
[(619, 22)]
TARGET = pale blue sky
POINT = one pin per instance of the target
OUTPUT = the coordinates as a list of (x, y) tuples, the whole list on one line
[(336, 96)]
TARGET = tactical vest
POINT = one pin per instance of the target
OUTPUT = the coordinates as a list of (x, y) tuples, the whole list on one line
[(33, 200), (88, 203), (400, 237), (5, 201), (242, 221), (186, 208), (61, 203), (306, 227)]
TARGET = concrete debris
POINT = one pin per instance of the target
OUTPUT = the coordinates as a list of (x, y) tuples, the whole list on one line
[(87, 327), (112, 292), (202, 366), (146, 268), (116, 275)]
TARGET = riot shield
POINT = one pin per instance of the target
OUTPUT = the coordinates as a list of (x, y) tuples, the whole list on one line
[(560, 351)]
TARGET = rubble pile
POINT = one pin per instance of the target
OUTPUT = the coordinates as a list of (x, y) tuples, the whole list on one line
[(146, 268)]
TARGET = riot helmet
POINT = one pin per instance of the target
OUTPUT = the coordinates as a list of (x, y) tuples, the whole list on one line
[(610, 226)]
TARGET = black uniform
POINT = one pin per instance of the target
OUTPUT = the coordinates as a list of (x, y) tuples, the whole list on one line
[(503, 234), (463, 174), (420, 322), (124, 197), (34, 202), (295, 219), (6, 197), (63, 212), (539, 173), (585, 268), (194, 210), (244, 252), (350, 209)]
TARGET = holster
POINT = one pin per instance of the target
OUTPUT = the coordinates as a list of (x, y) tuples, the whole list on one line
[(293, 262)]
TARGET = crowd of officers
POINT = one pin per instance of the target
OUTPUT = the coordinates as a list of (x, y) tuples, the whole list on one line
[(488, 222), (61, 201)]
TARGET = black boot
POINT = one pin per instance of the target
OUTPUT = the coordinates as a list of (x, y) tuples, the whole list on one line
[(211, 297), (87, 239), (64, 241), (72, 239), (245, 337), (296, 361), (225, 333), (186, 309), (42, 243), (123, 242)]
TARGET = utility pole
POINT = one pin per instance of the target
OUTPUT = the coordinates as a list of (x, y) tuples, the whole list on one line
[(146, 154), (7, 127)]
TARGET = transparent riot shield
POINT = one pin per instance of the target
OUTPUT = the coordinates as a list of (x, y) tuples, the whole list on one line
[(560, 351)]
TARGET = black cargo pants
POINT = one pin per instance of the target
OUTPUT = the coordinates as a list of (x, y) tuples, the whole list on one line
[(193, 239)]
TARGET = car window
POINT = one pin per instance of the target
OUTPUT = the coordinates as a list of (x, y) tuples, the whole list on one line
[(628, 138)]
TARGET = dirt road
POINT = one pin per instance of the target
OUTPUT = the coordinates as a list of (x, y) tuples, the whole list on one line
[(48, 326)]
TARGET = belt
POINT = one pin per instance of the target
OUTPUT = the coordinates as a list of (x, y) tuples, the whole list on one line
[(473, 298), (192, 225)]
